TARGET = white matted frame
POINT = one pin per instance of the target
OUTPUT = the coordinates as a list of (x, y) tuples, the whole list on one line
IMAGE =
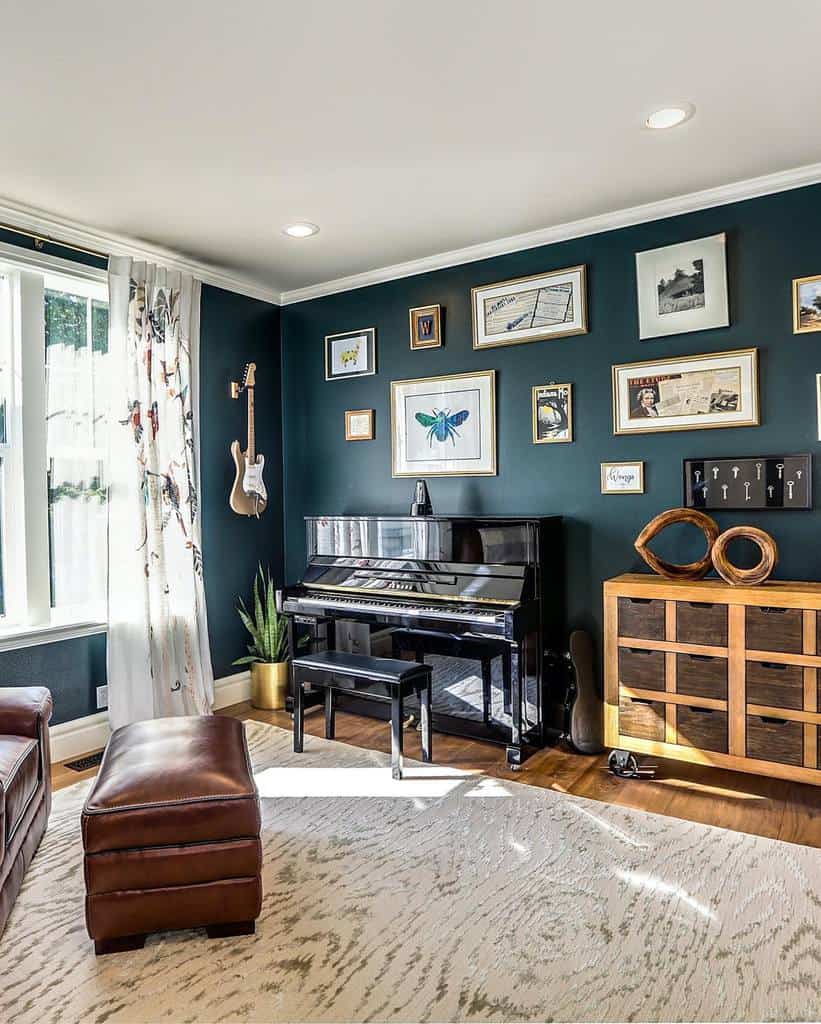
[(350, 354), (444, 426), (622, 478), (551, 305), (661, 314), (687, 393)]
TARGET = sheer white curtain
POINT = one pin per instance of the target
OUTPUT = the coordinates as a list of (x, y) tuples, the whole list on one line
[(158, 657)]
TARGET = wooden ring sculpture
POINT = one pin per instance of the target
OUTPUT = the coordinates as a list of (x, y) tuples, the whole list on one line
[(751, 577), (692, 571)]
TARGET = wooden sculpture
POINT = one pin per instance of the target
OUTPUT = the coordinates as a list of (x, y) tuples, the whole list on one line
[(750, 577), (692, 571)]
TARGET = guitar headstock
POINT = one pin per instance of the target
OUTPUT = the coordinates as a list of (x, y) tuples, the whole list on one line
[(248, 380)]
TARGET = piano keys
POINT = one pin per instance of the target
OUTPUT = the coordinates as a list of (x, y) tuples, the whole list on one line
[(494, 581)]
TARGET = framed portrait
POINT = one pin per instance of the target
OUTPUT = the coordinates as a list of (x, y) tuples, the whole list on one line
[(359, 425), (806, 304), (444, 426), (350, 354), (683, 287), (425, 327), (552, 413), (550, 305), (622, 478), (687, 393)]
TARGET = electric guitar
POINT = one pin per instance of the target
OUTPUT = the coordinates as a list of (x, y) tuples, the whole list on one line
[(248, 495)]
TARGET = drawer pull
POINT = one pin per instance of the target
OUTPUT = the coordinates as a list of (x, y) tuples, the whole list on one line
[(701, 657), (640, 600), (641, 700), (700, 711), (773, 665), (640, 650), (700, 604), (774, 611), (773, 721)]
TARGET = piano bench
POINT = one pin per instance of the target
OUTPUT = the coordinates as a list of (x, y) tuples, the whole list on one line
[(380, 678)]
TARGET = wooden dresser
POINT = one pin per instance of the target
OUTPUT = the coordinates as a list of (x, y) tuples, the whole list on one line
[(715, 674)]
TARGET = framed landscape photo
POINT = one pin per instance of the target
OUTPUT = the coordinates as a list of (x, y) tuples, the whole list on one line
[(425, 327), (350, 354), (552, 413), (806, 301), (552, 305), (622, 478), (683, 287), (687, 393), (444, 426), (359, 425)]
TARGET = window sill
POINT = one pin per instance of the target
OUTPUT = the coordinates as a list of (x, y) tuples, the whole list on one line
[(13, 638)]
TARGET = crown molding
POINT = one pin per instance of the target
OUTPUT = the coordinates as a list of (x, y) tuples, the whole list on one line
[(61, 229), (766, 184)]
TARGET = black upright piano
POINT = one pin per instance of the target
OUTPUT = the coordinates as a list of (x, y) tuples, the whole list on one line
[(479, 598)]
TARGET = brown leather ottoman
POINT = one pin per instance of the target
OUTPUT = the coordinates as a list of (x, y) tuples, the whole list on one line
[(171, 832)]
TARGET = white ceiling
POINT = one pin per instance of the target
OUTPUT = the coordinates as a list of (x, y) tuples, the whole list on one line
[(403, 128)]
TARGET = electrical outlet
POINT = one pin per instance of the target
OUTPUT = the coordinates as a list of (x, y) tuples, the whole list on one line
[(102, 697)]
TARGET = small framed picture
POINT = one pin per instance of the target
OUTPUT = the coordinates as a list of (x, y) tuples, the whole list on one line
[(359, 425), (806, 304), (552, 305), (622, 478), (552, 413), (683, 287), (350, 354), (425, 327)]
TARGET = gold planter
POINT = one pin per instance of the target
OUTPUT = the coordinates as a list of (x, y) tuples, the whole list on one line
[(269, 684)]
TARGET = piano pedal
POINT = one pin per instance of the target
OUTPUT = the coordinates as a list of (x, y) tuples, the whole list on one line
[(411, 723)]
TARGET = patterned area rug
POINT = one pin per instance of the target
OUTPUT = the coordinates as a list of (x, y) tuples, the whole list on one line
[(448, 896)]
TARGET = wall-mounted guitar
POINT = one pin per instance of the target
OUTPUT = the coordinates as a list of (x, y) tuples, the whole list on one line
[(248, 495)]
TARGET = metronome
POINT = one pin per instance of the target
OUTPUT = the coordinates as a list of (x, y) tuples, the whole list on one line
[(421, 502)]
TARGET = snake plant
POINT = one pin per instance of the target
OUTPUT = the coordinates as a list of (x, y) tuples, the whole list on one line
[(268, 629)]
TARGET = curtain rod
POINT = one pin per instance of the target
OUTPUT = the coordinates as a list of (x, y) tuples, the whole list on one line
[(41, 240)]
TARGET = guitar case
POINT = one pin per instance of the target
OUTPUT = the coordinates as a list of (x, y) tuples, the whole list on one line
[(585, 709)]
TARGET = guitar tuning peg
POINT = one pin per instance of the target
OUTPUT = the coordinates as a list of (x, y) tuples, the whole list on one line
[(234, 389)]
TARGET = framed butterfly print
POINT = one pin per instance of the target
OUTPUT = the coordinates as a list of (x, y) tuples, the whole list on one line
[(444, 426)]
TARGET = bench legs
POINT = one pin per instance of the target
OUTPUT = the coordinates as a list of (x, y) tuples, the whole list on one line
[(330, 714), (299, 716), (425, 700), (397, 735)]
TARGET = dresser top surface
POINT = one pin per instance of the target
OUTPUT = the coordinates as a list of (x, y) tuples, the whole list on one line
[(773, 593)]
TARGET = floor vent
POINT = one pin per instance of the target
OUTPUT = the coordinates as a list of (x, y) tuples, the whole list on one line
[(82, 764)]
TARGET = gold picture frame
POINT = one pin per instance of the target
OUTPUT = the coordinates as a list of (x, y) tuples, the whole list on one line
[(814, 322), (644, 395), (514, 306), (610, 477), (355, 430), (420, 318), (564, 410), (429, 410)]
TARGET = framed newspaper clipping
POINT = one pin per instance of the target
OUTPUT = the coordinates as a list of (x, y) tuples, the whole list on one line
[(687, 393), (552, 305)]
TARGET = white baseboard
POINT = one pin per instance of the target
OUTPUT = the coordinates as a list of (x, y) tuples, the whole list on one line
[(83, 735)]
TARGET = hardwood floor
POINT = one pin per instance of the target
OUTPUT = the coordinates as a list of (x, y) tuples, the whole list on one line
[(747, 803)]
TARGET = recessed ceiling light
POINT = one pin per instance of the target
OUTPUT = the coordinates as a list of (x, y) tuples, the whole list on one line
[(670, 117), (302, 229)]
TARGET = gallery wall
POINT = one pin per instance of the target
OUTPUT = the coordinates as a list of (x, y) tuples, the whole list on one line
[(234, 329), (770, 241)]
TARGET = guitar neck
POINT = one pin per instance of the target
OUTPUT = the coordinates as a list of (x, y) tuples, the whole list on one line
[(252, 452)]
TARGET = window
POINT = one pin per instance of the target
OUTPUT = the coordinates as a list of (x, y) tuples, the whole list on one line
[(53, 445)]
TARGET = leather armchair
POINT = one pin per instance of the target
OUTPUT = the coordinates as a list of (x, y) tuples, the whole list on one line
[(25, 784)]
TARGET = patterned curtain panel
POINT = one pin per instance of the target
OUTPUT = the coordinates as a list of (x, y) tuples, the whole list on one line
[(158, 657)]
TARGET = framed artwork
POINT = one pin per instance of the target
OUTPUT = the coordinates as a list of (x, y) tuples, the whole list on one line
[(683, 287), (444, 426), (806, 304), (550, 305), (749, 482), (359, 425), (350, 354), (687, 393), (425, 327), (552, 413), (622, 478)]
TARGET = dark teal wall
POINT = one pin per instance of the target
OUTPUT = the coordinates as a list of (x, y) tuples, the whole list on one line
[(770, 241), (234, 330)]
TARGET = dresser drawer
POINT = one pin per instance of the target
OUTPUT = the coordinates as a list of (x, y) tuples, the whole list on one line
[(775, 686), (700, 676), (698, 623), (775, 629), (702, 727), (641, 617), (642, 670), (775, 739), (642, 719)]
